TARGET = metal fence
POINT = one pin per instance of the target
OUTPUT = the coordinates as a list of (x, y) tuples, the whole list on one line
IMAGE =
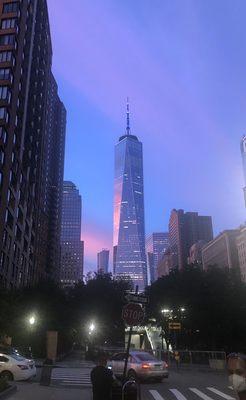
[(187, 359)]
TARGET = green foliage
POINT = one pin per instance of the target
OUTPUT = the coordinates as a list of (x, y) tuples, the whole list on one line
[(67, 311), (215, 303), (215, 316)]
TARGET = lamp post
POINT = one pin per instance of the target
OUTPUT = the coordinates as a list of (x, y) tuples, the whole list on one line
[(31, 320)]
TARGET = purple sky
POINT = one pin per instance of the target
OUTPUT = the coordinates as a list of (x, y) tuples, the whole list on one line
[(182, 63)]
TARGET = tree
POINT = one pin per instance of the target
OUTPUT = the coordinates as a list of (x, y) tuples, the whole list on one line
[(215, 303)]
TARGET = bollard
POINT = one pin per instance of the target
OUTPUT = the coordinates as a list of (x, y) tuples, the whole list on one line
[(130, 391), (46, 373)]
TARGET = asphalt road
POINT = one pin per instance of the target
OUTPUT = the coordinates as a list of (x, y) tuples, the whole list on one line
[(71, 380), (189, 385)]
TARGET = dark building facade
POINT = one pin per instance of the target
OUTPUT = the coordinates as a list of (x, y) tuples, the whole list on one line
[(156, 245), (53, 177), (103, 261), (25, 73), (185, 229), (129, 258), (222, 251), (72, 248)]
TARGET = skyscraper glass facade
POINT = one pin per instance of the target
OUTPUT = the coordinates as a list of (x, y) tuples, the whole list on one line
[(72, 248), (243, 153), (129, 230), (156, 245)]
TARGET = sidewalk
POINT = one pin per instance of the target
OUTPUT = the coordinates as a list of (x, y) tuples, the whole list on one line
[(35, 391)]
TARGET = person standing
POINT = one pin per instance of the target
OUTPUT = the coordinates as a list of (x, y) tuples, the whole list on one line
[(236, 364), (102, 380)]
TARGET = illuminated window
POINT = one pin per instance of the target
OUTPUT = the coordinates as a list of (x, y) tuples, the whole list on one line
[(10, 7), (9, 23)]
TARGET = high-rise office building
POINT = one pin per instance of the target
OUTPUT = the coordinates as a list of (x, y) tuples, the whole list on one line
[(243, 153), (72, 248), (25, 73), (50, 213), (156, 245), (185, 229), (129, 258), (103, 261), (222, 251), (241, 248)]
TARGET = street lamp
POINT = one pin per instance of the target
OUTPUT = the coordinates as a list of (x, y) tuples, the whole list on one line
[(32, 320), (91, 328)]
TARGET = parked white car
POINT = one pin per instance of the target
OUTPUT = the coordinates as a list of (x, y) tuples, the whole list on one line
[(15, 367)]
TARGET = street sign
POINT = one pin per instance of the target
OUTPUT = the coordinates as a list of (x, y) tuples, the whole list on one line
[(136, 298), (175, 326), (132, 314)]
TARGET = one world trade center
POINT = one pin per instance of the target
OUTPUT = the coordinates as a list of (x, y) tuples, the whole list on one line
[(129, 259)]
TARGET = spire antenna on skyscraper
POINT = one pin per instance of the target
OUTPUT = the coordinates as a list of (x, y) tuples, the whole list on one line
[(127, 117)]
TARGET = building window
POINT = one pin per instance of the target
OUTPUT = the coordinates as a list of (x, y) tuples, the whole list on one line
[(4, 113), (4, 73), (10, 7), (1, 157), (5, 56), (9, 23), (4, 92), (3, 134), (6, 40)]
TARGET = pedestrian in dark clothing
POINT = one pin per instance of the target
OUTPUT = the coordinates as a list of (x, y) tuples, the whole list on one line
[(102, 380)]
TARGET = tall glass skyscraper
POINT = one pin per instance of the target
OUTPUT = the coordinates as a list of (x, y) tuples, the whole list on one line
[(243, 153), (129, 259), (72, 248), (156, 245)]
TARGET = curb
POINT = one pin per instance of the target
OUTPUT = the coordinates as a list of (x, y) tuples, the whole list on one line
[(6, 393)]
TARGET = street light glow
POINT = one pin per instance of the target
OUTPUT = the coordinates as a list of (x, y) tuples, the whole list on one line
[(92, 327), (32, 320), (165, 310), (182, 309)]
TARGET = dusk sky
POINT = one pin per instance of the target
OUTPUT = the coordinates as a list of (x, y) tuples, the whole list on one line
[(183, 65)]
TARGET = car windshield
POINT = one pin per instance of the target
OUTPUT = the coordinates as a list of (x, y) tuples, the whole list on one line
[(145, 357)]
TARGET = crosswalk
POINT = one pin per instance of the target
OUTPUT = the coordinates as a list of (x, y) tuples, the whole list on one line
[(204, 394), (76, 377)]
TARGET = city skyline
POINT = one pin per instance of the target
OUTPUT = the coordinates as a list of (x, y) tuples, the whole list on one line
[(198, 89)]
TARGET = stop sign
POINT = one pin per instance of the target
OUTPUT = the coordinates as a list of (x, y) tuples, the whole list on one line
[(132, 314)]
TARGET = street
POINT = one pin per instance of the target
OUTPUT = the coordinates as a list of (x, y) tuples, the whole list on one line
[(71, 380)]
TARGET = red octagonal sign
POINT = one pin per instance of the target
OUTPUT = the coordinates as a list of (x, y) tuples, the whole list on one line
[(132, 314)]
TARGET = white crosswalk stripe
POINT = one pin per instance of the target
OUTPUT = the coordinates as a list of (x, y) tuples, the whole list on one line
[(219, 393), (71, 377), (200, 394), (180, 396), (156, 395)]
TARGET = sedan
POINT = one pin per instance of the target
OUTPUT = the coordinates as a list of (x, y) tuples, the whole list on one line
[(15, 367), (140, 365)]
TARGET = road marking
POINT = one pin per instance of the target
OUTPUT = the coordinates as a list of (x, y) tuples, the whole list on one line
[(201, 394), (230, 387), (221, 393), (156, 395), (178, 394)]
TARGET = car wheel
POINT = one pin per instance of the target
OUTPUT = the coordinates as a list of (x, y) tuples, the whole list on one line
[(132, 375), (7, 375)]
